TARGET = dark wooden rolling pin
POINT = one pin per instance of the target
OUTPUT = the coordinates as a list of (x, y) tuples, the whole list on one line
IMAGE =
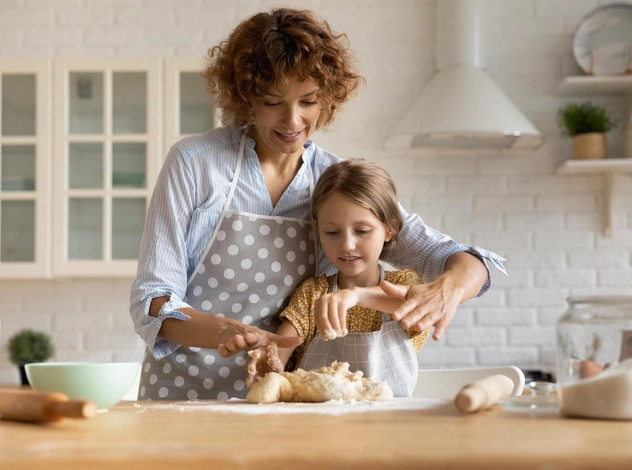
[(483, 393), (35, 407)]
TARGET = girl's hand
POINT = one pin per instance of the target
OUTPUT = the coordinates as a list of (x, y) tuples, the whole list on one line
[(262, 360), (330, 312), (426, 305), (237, 337)]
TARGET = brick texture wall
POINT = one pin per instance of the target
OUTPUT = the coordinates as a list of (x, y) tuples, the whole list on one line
[(548, 226)]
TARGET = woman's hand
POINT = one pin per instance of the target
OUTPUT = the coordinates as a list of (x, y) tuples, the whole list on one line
[(330, 312), (425, 305), (262, 360), (435, 303), (237, 337)]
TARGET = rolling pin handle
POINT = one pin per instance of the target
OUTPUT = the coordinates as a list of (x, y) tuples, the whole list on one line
[(78, 409), (483, 393), (35, 407)]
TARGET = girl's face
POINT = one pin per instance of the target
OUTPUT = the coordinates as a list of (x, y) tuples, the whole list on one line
[(285, 119), (352, 238)]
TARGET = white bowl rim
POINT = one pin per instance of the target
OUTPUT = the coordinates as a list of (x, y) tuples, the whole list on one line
[(79, 364)]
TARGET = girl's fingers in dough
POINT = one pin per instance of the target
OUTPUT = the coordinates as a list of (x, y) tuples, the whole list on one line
[(342, 317), (321, 318), (254, 356), (272, 357), (333, 313), (335, 310)]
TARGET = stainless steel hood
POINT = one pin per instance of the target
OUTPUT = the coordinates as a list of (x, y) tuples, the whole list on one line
[(461, 106)]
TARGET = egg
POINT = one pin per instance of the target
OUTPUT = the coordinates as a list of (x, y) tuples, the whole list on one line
[(589, 369)]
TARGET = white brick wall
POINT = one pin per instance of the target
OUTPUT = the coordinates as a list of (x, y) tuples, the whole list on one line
[(548, 226)]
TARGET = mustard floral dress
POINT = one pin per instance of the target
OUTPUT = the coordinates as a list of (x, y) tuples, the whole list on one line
[(300, 311)]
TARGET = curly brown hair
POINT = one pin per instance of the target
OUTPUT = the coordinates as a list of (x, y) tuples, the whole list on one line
[(264, 51), (365, 183)]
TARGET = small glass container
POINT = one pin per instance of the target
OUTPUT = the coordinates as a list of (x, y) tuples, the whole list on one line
[(593, 336)]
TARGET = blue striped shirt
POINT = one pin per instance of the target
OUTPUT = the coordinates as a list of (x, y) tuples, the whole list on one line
[(186, 205)]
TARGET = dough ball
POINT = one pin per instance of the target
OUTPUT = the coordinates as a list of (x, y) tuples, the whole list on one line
[(320, 385)]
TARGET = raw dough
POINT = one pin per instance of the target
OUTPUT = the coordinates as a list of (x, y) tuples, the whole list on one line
[(324, 384)]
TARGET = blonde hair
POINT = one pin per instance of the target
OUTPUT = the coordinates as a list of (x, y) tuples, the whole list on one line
[(266, 50), (366, 184)]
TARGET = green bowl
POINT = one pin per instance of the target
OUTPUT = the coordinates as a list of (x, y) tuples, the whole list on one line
[(102, 383)]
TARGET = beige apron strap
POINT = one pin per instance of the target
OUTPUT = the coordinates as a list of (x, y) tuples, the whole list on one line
[(231, 192)]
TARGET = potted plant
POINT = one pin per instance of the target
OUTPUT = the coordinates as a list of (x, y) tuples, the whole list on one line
[(29, 346), (587, 123)]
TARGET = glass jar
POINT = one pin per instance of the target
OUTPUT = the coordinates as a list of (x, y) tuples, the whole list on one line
[(593, 336)]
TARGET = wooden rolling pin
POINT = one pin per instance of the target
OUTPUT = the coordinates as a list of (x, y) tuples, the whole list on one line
[(483, 393), (35, 407)]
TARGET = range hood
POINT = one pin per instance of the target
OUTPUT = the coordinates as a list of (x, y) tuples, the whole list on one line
[(461, 106)]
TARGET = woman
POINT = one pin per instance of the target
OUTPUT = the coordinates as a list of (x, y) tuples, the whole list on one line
[(228, 234)]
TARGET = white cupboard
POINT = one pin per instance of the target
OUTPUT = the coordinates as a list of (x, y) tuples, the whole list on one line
[(189, 109), (107, 153), (25, 182), (81, 144)]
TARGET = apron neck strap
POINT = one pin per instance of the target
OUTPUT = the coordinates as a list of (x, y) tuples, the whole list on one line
[(233, 183)]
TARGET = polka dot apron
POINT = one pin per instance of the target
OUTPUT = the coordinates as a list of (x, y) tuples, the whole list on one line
[(249, 269), (387, 354)]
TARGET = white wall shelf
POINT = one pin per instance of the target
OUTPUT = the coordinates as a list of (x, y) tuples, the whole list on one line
[(604, 85), (596, 84), (607, 165), (610, 168)]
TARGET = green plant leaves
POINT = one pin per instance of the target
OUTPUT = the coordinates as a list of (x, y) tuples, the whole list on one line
[(582, 118), (28, 346)]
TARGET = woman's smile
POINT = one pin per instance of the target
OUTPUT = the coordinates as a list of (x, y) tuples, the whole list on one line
[(289, 138), (285, 119)]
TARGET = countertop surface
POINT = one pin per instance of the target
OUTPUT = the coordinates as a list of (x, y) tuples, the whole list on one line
[(405, 433)]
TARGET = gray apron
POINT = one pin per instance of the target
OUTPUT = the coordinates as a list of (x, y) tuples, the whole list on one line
[(387, 354), (249, 269)]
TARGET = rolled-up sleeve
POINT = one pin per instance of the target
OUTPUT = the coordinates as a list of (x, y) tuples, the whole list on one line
[(148, 326), (162, 263), (427, 250)]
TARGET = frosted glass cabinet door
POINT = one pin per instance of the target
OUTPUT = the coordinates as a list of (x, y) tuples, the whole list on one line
[(24, 169), (108, 141), (189, 109)]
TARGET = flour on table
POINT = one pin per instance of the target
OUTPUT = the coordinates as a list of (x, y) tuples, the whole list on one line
[(320, 385), (331, 408)]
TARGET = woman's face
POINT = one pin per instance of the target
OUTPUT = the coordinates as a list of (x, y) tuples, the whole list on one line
[(285, 119), (352, 238)]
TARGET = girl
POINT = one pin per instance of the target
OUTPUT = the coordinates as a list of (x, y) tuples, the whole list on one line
[(342, 317)]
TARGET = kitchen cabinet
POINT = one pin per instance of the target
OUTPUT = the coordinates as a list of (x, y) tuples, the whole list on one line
[(81, 144), (609, 168), (107, 155), (189, 109), (25, 186)]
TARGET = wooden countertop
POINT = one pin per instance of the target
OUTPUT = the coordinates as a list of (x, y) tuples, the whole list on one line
[(178, 435)]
